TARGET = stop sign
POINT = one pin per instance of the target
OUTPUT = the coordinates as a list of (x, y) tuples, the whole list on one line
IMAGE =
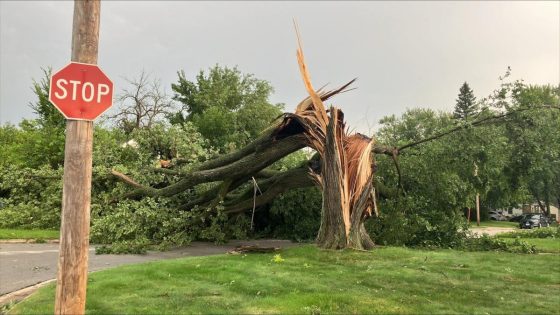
[(81, 91)]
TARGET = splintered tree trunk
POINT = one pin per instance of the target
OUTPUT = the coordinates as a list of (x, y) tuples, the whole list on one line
[(332, 233), (367, 242), (345, 174), (358, 237), (346, 170)]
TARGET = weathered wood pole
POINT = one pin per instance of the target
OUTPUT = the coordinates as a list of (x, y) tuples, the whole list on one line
[(76, 194), (477, 197), (477, 209)]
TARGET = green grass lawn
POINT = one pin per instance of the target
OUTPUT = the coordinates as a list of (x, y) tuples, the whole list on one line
[(8, 234), (307, 280), (495, 224)]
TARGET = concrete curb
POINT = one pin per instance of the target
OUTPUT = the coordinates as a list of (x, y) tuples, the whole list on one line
[(19, 295)]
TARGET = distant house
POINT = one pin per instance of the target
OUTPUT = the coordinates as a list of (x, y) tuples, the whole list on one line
[(514, 211), (534, 208)]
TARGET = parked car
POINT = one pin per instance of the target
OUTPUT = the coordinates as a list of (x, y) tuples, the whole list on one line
[(517, 218), (534, 220), (497, 215)]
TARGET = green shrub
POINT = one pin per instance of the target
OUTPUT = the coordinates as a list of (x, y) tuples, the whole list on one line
[(30, 198), (295, 215), (416, 221), (130, 225), (135, 224), (148, 219), (31, 145)]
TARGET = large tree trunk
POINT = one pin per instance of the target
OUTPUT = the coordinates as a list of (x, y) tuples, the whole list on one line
[(347, 188), (358, 237), (332, 233), (547, 197), (346, 172)]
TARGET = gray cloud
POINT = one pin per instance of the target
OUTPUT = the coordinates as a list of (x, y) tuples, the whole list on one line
[(405, 54)]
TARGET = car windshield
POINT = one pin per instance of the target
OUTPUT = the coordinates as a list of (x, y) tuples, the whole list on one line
[(535, 217)]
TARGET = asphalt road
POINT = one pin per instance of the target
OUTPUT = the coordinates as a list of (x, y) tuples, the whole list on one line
[(23, 265)]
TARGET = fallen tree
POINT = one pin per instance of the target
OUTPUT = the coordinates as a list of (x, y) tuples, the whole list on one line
[(343, 168)]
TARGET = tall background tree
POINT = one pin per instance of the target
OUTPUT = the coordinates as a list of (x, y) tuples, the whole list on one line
[(47, 115), (227, 107), (143, 103), (535, 143), (44, 134), (466, 105)]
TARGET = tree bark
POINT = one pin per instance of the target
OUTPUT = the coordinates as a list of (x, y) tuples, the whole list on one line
[(270, 188), (332, 233), (248, 165), (547, 197), (536, 196), (477, 209), (358, 237)]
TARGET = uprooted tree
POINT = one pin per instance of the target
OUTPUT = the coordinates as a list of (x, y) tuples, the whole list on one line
[(343, 168)]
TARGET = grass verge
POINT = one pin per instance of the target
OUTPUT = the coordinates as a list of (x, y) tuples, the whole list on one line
[(9, 234), (546, 240), (505, 224), (306, 280), (543, 245)]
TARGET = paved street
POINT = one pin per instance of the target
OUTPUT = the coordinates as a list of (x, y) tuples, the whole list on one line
[(23, 265)]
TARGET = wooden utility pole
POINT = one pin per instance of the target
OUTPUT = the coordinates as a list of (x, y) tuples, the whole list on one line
[(76, 195), (477, 198), (477, 209)]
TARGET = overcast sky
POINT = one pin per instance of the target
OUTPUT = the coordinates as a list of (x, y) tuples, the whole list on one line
[(404, 54)]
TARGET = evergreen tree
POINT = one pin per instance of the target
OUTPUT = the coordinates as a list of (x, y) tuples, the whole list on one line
[(466, 103)]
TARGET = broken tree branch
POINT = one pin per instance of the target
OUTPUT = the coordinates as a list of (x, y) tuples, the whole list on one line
[(475, 123)]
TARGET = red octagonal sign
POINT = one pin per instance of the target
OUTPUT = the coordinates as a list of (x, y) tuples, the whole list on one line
[(81, 91)]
